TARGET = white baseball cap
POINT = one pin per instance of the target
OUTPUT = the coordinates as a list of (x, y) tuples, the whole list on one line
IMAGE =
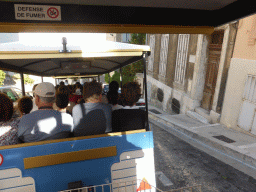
[(45, 89)]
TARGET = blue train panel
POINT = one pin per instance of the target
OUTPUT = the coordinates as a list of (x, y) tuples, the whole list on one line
[(93, 161)]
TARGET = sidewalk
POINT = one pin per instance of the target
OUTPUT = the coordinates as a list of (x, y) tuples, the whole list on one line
[(230, 146)]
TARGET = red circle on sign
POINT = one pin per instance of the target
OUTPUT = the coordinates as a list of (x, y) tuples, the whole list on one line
[(1, 159), (53, 12)]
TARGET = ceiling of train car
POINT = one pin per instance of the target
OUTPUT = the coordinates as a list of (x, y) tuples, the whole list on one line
[(210, 13), (181, 4)]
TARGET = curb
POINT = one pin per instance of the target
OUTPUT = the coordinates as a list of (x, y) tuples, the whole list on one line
[(226, 153)]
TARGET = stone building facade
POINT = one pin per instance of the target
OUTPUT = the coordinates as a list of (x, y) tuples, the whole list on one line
[(239, 106), (187, 72)]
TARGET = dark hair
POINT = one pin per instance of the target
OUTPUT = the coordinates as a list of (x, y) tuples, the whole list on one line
[(25, 105), (63, 89), (62, 100), (112, 97), (6, 107), (131, 93), (91, 89), (113, 86)]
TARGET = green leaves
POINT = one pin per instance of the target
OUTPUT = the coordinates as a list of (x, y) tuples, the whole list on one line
[(27, 79), (2, 77), (129, 72)]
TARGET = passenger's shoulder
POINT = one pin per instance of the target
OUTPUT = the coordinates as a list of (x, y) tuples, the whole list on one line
[(28, 116), (66, 115), (77, 106), (106, 105)]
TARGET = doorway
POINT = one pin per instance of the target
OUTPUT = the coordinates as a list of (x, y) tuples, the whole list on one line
[(212, 69)]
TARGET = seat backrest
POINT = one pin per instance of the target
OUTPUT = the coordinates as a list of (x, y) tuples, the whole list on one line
[(61, 135), (128, 119)]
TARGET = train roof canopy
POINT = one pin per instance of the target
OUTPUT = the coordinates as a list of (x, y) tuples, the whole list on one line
[(86, 58), (151, 16)]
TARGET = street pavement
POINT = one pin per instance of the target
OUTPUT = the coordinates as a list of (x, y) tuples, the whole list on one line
[(184, 165), (230, 146)]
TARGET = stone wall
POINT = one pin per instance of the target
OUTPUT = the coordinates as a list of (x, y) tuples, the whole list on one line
[(158, 84)]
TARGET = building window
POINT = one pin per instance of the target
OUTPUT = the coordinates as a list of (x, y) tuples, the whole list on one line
[(181, 59), (152, 48), (125, 37), (250, 89), (163, 54)]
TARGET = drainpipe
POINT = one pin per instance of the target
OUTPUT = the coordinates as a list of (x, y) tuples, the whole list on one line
[(236, 27)]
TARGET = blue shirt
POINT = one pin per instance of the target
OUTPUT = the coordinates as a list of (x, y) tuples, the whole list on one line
[(92, 119), (44, 124)]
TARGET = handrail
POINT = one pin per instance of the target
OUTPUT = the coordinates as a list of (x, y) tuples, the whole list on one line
[(131, 183)]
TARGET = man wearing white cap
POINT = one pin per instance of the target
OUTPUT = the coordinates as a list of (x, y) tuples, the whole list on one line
[(45, 123)]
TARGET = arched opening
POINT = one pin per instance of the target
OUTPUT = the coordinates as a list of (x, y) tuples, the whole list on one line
[(160, 95), (175, 106)]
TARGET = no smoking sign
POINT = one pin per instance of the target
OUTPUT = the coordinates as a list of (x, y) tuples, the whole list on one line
[(53, 12), (1, 159), (37, 12)]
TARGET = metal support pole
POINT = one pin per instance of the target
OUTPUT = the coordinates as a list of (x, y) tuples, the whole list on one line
[(98, 78), (22, 83), (145, 86), (108, 78), (121, 76), (42, 78)]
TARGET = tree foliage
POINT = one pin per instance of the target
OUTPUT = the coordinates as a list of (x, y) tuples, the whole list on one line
[(107, 78), (2, 77), (117, 77), (27, 79), (130, 71)]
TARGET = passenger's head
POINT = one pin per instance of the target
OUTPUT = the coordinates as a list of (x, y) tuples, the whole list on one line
[(62, 83), (93, 92), (72, 89), (33, 89), (62, 100), (63, 89), (78, 88), (112, 97), (113, 86), (6, 107), (44, 94), (78, 84), (25, 105), (131, 93)]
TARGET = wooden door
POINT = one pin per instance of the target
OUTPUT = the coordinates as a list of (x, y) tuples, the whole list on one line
[(212, 69)]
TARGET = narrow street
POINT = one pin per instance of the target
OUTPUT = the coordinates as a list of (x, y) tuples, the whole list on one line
[(185, 166)]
